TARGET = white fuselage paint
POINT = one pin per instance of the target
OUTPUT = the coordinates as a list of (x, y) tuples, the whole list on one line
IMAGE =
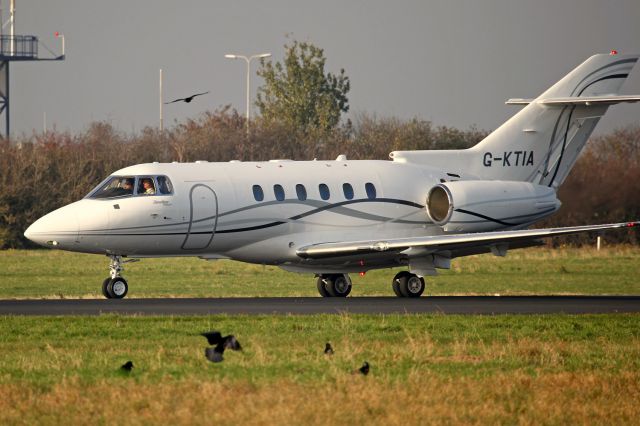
[(504, 183), (213, 213)]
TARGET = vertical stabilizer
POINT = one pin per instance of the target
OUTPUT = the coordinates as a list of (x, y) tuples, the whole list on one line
[(541, 143)]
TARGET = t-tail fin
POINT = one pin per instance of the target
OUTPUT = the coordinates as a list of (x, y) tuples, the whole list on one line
[(541, 143)]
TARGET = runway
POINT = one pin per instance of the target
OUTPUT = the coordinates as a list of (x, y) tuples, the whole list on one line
[(483, 305)]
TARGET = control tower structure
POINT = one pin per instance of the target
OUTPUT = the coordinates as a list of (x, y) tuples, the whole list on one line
[(17, 48)]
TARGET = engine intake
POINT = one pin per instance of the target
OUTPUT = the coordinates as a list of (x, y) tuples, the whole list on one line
[(439, 204), (474, 206)]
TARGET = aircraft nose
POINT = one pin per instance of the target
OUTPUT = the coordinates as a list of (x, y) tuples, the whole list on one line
[(56, 229)]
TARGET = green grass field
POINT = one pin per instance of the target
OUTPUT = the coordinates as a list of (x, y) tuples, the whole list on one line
[(51, 273), (424, 369)]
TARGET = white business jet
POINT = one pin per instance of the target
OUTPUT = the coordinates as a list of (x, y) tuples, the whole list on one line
[(332, 218)]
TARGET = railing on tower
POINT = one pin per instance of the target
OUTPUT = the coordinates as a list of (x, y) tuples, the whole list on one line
[(19, 46)]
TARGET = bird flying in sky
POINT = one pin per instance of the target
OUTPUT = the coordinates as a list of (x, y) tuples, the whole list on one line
[(187, 99)]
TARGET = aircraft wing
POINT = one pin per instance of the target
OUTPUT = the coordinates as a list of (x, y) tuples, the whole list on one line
[(444, 242), (578, 100)]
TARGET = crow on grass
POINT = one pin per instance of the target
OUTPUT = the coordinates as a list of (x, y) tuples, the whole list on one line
[(214, 353), (328, 350), (364, 370)]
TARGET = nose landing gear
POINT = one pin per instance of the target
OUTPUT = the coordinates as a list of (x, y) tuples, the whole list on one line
[(116, 287)]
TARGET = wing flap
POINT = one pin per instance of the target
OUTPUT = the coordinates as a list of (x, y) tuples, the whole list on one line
[(444, 242), (591, 100), (578, 100)]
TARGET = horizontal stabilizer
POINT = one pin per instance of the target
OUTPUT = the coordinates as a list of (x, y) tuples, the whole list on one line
[(518, 101), (445, 242), (578, 100)]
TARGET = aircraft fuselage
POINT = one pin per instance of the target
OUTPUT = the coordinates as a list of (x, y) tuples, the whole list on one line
[(214, 211)]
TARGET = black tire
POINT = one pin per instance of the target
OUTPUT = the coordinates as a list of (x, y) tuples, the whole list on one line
[(117, 288), (395, 284), (339, 285), (105, 284), (412, 286), (322, 289)]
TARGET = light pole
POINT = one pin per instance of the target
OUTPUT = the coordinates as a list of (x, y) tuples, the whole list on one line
[(160, 103), (248, 60)]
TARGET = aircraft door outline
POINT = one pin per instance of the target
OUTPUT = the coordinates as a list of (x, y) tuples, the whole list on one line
[(193, 241)]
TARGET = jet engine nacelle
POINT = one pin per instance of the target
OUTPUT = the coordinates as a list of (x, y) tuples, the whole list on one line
[(473, 206)]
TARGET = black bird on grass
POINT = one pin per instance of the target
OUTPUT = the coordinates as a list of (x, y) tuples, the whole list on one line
[(214, 354), (127, 366), (328, 350), (364, 370), (187, 99)]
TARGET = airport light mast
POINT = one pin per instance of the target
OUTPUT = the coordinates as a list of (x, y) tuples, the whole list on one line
[(248, 60), (17, 48)]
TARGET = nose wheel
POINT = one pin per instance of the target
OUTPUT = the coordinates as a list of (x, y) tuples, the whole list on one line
[(116, 287)]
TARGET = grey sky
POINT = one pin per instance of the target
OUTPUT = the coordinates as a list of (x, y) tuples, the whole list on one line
[(451, 62)]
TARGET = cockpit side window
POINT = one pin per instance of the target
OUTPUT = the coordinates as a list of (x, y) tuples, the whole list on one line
[(146, 186), (164, 185), (116, 186)]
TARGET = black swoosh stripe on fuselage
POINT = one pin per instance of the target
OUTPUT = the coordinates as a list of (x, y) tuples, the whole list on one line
[(266, 225), (499, 221)]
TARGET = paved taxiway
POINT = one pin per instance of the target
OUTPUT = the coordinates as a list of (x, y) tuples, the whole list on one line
[(487, 305)]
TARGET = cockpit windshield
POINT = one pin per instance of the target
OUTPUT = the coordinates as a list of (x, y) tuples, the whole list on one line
[(116, 186), (127, 186)]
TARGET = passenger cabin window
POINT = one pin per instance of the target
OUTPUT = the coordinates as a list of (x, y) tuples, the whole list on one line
[(371, 190), (146, 186), (324, 191), (348, 191), (258, 194), (301, 192), (279, 192)]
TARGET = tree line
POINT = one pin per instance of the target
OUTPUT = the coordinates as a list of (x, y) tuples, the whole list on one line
[(301, 107), (44, 171)]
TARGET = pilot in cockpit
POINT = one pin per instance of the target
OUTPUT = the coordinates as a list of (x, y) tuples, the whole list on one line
[(127, 185)]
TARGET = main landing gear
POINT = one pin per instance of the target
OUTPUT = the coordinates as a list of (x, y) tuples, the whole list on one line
[(334, 285), (404, 284), (116, 287)]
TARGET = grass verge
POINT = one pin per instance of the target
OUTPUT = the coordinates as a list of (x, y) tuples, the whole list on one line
[(424, 369), (57, 274)]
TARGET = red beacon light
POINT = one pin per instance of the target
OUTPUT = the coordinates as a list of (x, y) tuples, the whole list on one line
[(57, 34), (613, 52)]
